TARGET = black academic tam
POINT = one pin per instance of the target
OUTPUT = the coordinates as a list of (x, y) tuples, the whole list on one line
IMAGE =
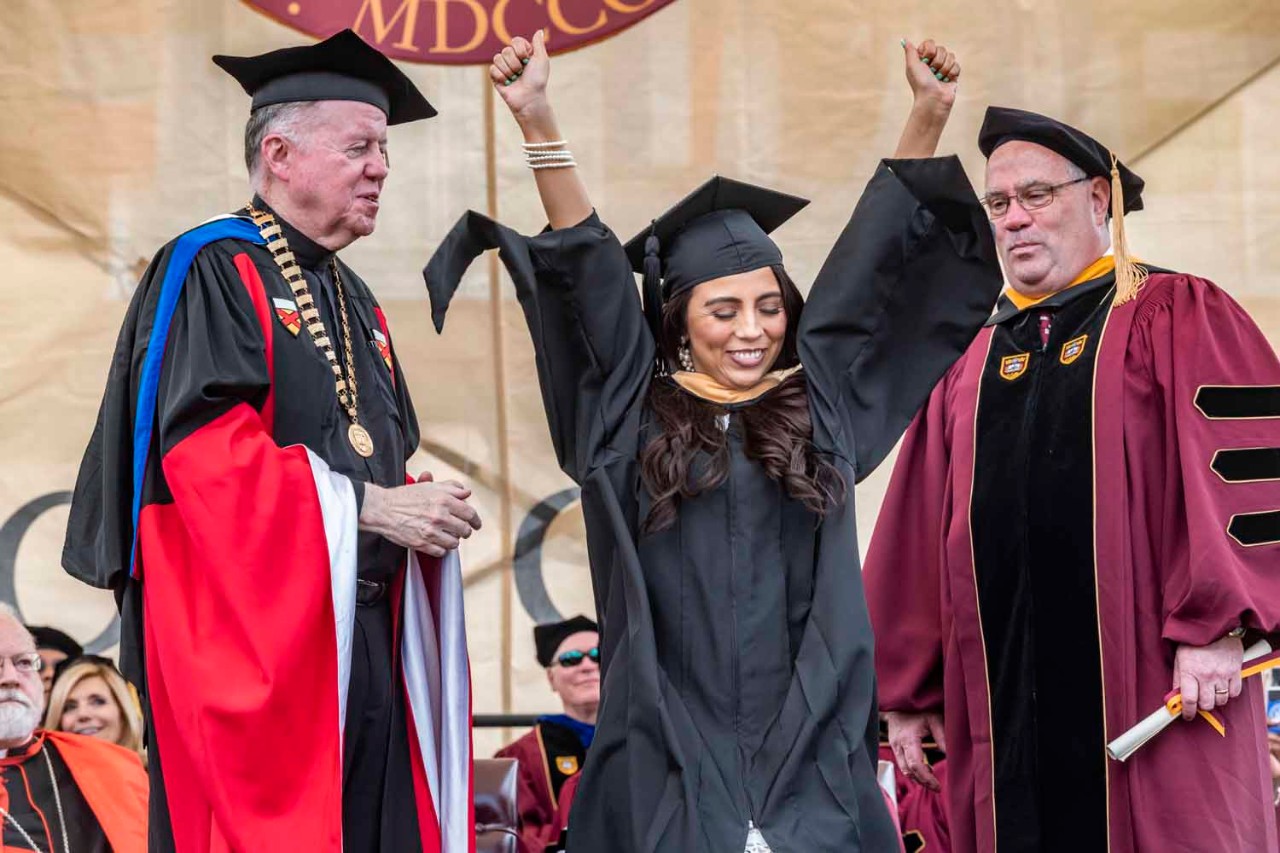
[(343, 67)]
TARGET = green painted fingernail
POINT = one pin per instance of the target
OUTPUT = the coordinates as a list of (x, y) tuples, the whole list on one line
[(524, 62), (936, 74), (903, 43), (507, 82)]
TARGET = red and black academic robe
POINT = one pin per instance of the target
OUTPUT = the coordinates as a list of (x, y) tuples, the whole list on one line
[(1083, 492), (101, 799), (549, 756), (219, 498)]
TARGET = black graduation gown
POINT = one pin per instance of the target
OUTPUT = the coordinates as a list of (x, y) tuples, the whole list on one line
[(214, 365), (736, 650)]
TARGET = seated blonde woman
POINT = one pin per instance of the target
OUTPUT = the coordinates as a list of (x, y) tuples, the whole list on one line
[(91, 697)]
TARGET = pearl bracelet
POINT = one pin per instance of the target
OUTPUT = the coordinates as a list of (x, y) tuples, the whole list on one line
[(548, 155)]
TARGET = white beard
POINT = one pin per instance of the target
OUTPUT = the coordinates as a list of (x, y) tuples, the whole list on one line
[(18, 717)]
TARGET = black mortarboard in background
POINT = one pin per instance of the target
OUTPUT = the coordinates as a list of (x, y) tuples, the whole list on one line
[(722, 228), (343, 67), (52, 638), (72, 660), (1003, 124), (547, 638)]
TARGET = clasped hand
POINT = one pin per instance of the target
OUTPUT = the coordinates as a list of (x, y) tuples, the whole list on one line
[(426, 516)]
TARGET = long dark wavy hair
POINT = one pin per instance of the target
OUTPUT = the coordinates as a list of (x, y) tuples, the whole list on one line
[(777, 430)]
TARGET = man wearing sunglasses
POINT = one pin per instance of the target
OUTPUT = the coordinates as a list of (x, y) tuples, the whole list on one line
[(553, 752), (1085, 515)]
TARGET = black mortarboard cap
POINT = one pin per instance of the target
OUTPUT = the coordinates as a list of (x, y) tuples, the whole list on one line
[(1003, 124), (343, 67), (722, 228), (62, 666), (547, 638), (52, 638)]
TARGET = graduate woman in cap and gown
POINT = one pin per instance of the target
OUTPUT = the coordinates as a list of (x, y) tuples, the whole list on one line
[(1086, 515), (717, 432), (304, 672)]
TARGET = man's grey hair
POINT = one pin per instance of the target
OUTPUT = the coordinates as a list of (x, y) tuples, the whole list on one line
[(1074, 172), (287, 120), (7, 612)]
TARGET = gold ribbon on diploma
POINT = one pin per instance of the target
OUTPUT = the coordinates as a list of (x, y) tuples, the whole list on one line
[(1258, 659)]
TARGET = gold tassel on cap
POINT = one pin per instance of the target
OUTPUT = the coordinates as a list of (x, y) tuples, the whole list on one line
[(1130, 276)]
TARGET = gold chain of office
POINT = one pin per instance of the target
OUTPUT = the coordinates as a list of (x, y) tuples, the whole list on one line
[(344, 381)]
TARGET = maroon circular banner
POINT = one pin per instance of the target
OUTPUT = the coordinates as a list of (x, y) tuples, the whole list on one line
[(460, 32)]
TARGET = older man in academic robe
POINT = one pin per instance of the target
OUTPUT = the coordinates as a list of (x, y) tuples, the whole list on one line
[(1085, 516), (291, 606)]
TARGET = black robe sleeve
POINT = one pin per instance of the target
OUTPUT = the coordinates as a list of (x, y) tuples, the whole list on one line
[(579, 298), (215, 360), (902, 294)]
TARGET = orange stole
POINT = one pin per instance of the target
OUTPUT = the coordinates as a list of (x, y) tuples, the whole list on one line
[(113, 783)]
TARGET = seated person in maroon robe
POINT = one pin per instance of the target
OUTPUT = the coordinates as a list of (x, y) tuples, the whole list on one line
[(554, 750), (1084, 516)]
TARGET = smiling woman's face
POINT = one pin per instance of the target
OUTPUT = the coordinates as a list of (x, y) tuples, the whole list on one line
[(736, 326), (91, 709)]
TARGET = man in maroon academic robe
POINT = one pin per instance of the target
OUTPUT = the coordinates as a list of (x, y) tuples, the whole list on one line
[(1085, 515), (552, 753)]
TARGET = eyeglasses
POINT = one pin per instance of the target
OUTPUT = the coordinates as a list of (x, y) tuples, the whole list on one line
[(24, 663), (1033, 197), (572, 658)]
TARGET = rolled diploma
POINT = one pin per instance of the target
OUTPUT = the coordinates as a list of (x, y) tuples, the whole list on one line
[(1127, 744)]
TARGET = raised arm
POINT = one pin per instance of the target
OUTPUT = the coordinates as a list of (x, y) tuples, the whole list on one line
[(933, 73), (906, 287), (575, 285), (520, 74)]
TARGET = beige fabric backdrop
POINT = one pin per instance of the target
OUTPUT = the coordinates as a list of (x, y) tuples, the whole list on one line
[(118, 133)]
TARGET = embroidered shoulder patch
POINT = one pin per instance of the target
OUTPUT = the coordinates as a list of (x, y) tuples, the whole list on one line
[(384, 349), (287, 312), (1013, 366), (567, 764), (1073, 349)]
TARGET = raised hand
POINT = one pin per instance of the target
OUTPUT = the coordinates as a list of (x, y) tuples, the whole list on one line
[(520, 74), (932, 71)]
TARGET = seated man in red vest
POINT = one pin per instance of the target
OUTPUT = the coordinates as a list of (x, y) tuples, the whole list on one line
[(554, 750), (59, 791)]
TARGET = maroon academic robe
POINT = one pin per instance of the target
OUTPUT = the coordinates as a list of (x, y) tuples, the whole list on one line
[(1075, 500), (550, 757)]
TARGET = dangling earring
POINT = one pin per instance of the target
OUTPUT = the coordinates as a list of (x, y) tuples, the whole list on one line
[(685, 357)]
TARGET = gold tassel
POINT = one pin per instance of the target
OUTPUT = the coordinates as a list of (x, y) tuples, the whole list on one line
[(1130, 276)]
